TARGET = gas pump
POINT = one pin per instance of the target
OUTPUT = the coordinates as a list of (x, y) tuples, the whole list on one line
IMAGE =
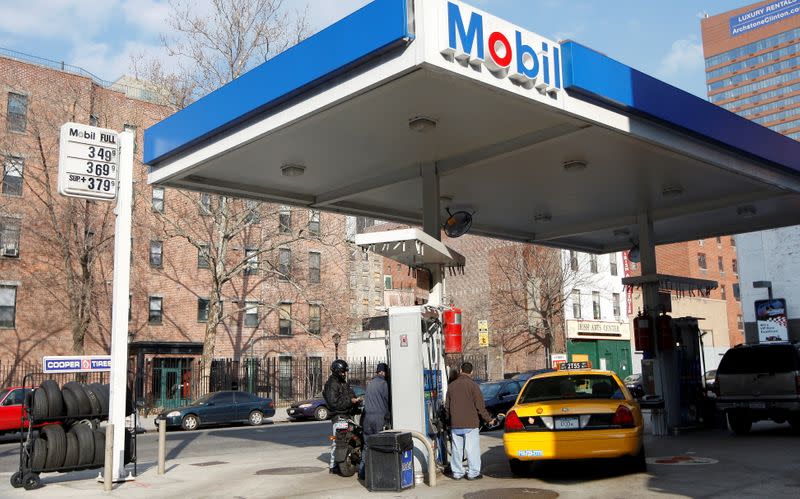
[(416, 342), (419, 380)]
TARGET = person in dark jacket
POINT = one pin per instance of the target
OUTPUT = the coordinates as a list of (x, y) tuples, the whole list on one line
[(466, 408), (340, 399), (377, 415)]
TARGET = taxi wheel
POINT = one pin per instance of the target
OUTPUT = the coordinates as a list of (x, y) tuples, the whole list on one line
[(639, 462), (519, 468)]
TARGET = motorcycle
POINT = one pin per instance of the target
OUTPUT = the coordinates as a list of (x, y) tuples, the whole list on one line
[(349, 444)]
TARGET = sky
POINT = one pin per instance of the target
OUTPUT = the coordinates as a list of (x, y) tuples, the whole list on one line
[(661, 38)]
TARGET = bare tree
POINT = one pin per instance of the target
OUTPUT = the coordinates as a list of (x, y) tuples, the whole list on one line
[(66, 238), (533, 284), (209, 49)]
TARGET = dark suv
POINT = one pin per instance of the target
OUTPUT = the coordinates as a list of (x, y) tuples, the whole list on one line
[(757, 382)]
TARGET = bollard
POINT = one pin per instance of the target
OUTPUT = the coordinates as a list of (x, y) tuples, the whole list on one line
[(162, 446), (108, 479)]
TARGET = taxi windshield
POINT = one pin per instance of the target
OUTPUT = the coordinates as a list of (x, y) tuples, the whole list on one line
[(570, 387)]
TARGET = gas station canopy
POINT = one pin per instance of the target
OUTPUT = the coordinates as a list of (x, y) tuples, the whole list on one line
[(545, 142)]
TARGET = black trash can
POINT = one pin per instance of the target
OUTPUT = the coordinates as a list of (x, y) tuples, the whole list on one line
[(389, 462)]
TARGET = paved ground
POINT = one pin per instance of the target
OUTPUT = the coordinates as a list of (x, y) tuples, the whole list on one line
[(289, 460)]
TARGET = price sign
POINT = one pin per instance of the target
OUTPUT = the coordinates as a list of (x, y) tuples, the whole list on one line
[(88, 162)]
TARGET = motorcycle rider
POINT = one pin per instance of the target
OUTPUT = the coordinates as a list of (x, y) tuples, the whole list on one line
[(340, 399)]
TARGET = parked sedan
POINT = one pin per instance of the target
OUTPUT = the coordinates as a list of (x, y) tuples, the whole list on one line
[(315, 408), (634, 385), (220, 408), (11, 408), (499, 396)]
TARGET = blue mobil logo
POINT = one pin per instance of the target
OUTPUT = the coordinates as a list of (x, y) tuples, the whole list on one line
[(764, 15), (526, 59)]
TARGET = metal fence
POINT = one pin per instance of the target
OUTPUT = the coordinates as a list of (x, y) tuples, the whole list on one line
[(164, 383), (171, 382)]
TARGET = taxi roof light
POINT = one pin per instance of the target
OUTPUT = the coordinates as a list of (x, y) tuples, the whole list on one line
[(513, 423)]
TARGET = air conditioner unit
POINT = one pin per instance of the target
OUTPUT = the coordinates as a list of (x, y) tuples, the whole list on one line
[(11, 251)]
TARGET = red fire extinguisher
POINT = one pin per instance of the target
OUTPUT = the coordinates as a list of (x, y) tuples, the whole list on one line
[(642, 333), (666, 340), (452, 330)]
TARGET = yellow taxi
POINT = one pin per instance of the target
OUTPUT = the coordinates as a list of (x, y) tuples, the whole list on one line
[(573, 413)]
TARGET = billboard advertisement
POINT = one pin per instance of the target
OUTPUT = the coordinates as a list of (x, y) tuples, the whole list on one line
[(771, 320)]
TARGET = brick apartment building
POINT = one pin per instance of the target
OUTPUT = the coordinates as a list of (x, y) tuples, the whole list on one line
[(753, 70), (289, 289)]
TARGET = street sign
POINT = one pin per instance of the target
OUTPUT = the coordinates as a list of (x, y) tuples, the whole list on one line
[(483, 338), (88, 162), (76, 364)]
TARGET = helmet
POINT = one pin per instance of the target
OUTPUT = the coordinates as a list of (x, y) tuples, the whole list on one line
[(339, 367)]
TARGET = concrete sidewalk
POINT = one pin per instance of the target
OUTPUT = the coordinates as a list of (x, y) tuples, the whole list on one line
[(702, 464)]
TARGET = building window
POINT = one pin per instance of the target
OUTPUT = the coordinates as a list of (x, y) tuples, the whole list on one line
[(285, 220), (130, 307), (314, 267), (284, 264), (612, 264), (155, 310), (596, 304), (576, 304), (719, 241), (94, 120), (203, 305), (721, 265), (616, 303), (251, 263), (736, 292), (9, 237), (202, 256), (733, 241), (722, 293), (593, 263), (701, 261), (314, 319), (700, 242), (735, 266), (158, 199), (285, 376), (17, 114), (739, 323), (573, 260), (13, 166), (285, 319), (252, 211), (251, 314), (387, 282), (156, 253), (205, 204), (313, 223), (8, 306)]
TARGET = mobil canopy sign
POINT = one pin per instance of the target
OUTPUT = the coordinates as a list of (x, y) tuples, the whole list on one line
[(77, 364), (480, 41)]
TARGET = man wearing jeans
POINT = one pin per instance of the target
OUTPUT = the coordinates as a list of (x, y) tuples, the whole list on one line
[(466, 407)]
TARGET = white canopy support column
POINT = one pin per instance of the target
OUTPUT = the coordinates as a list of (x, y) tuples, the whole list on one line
[(432, 225)]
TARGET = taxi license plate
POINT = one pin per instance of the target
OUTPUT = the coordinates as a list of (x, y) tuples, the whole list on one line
[(568, 424), (340, 425)]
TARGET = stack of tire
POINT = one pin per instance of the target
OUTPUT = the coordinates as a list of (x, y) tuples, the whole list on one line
[(69, 440)]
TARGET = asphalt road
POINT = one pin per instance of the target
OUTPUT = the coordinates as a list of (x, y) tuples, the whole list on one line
[(207, 442)]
